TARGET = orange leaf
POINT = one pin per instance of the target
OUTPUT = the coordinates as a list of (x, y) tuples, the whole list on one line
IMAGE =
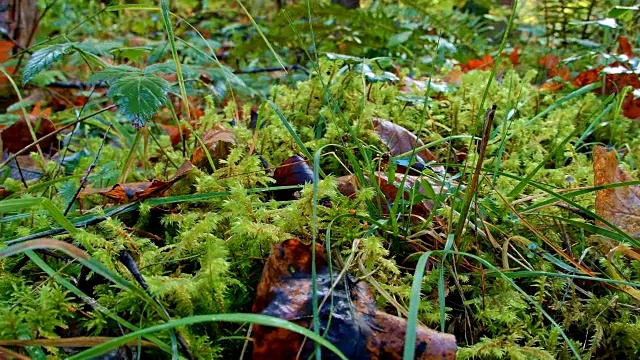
[(123, 193), (631, 107), (174, 133), (620, 205), (587, 77), (357, 328), (625, 46), (551, 86), (549, 61), (478, 64), (514, 56)]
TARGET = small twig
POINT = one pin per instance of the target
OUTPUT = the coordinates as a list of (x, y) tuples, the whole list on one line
[(157, 240), (11, 354), (470, 192), (85, 178), (66, 148), (24, 182), (126, 260), (575, 210), (293, 67)]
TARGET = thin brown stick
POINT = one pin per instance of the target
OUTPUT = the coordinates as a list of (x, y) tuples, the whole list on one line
[(81, 341), (10, 354), (470, 192)]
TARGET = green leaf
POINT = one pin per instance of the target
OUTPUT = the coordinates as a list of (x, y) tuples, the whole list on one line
[(622, 11), (348, 59), (114, 73), (236, 318), (43, 58), (139, 96), (169, 67), (399, 39)]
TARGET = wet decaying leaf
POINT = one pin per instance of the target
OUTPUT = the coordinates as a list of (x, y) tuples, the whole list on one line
[(620, 205), (400, 140), (348, 317), (293, 171), (219, 143), (123, 193), (17, 136)]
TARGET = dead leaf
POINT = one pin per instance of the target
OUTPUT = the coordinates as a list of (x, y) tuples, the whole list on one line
[(625, 46), (17, 136), (174, 133), (293, 171), (400, 141), (620, 205), (349, 319), (514, 56), (550, 62), (478, 64), (631, 107), (123, 193), (348, 186), (615, 81), (219, 142)]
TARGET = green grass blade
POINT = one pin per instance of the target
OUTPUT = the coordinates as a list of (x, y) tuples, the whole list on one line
[(259, 319)]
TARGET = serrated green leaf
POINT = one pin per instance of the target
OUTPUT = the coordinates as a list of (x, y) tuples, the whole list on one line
[(113, 73), (139, 96), (43, 58), (169, 67)]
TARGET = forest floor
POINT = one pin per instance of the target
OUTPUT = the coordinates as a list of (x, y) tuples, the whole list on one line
[(230, 179)]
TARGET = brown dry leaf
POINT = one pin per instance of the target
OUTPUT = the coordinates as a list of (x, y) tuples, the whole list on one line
[(17, 136), (625, 46), (357, 328), (123, 193), (620, 205), (400, 140), (219, 142), (631, 107)]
